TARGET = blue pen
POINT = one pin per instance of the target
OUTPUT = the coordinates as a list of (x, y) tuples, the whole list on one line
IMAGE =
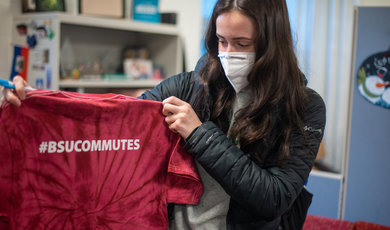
[(10, 85)]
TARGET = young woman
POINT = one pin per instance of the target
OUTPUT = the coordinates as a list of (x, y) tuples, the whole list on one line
[(247, 118)]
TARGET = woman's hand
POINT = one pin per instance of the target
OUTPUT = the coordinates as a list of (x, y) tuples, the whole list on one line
[(180, 116), (15, 96)]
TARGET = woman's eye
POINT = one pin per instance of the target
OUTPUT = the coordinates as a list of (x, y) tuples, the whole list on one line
[(243, 45)]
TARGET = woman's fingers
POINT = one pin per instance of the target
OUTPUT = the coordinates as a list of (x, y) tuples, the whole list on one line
[(180, 116), (20, 83), (173, 100), (15, 96), (172, 105), (169, 109), (11, 97)]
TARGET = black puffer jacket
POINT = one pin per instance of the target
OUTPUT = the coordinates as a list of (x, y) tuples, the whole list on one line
[(260, 192)]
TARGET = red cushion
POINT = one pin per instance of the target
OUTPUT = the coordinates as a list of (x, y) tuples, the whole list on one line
[(324, 223), (362, 225)]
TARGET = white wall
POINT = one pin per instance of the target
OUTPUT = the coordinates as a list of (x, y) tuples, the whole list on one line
[(190, 24), (7, 9)]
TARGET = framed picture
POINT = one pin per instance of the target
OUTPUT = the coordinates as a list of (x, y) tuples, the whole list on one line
[(50, 5), (28, 6), (138, 69)]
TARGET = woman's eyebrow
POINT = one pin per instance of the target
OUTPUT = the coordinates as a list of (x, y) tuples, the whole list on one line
[(242, 38), (219, 36), (235, 38)]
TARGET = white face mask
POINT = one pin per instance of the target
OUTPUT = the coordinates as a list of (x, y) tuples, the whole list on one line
[(237, 66)]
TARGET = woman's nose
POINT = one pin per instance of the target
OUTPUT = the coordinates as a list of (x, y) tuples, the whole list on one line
[(229, 48)]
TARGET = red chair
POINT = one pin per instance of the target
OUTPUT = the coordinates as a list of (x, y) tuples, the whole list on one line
[(362, 225), (313, 222)]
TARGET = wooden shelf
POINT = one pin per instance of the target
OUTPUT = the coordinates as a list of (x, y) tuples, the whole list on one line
[(108, 23), (108, 84), (82, 39)]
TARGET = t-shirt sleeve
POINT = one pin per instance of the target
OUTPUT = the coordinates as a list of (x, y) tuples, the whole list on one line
[(183, 181)]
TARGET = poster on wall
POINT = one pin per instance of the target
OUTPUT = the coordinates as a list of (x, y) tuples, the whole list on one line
[(373, 79), (20, 62)]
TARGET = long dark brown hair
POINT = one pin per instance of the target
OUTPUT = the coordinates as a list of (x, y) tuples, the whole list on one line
[(276, 81)]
